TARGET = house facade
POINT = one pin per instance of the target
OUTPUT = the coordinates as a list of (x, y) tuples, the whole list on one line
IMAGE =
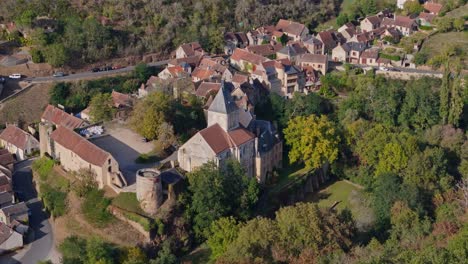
[(18, 142)]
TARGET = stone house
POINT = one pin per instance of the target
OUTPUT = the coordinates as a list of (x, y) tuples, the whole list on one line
[(425, 19), (18, 212), (200, 74), (18, 142), (171, 72), (316, 61), (314, 46), (75, 152), (404, 24), (58, 117), (265, 50), (7, 161), (295, 31), (246, 61), (369, 57), (205, 89), (370, 23), (5, 183), (189, 49), (9, 239), (291, 51), (226, 138), (349, 52), (330, 40)]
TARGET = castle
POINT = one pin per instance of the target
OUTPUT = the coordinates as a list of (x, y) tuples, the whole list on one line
[(254, 143)]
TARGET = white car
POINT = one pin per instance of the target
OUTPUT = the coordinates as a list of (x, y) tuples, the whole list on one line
[(15, 76), (383, 69)]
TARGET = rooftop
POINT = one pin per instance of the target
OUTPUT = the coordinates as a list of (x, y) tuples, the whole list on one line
[(16, 136), (60, 118)]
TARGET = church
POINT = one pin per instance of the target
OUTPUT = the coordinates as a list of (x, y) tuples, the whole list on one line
[(254, 143)]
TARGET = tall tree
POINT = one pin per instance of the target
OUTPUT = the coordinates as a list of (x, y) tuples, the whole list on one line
[(101, 107), (313, 140)]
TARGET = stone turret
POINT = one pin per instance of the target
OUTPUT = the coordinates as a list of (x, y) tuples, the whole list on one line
[(149, 190), (45, 129)]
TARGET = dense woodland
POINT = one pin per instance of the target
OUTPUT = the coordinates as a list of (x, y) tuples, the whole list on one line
[(132, 27)]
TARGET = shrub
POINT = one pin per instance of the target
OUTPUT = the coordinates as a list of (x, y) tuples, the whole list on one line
[(425, 27), (145, 222), (37, 56), (390, 57), (54, 200), (43, 167), (94, 208), (420, 58)]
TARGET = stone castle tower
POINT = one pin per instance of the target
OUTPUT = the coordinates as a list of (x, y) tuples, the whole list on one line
[(149, 190)]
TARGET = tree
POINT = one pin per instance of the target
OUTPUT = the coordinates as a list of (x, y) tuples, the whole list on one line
[(101, 107), (56, 55), (313, 140), (37, 56), (459, 24), (444, 24), (283, 39), (98, 251), (135, 255), (222, 233), (420, 105), (85, 182), (149, 113), (305, 105), (412, 7), (342, 19), (407, 227), (73, 249), (142, 72), (220, 192)]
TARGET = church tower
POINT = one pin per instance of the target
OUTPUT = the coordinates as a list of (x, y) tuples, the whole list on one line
[(223, 110)]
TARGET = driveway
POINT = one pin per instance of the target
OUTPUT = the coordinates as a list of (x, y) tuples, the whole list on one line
[(125, 146), (41, 241)]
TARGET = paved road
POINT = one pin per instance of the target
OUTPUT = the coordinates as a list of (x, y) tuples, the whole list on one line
[(400, 69), (41, 242), (86, 75)]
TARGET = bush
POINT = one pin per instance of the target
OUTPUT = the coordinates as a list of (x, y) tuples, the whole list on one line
[(43, 167), (425, 27), (37, 56), (94, 208), (390, 57), (145, 222), (54, 200), (420, 58)]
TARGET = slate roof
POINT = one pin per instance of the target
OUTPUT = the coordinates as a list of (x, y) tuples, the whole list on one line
[(60, 118), (14, 209), (267, 136), (223, 101), (354, 46), (293, 49), (17, 137), (171, 176), (6, 197), (80, 146)]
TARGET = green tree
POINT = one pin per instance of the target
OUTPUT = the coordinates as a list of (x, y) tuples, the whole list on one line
[(101, 107), (459, 24), (458, 86), (412, 7), (313, 140), (444, 24), (407, 227), (305, 105), (392, 159), (445, 95), (56, 55), (135, 255), (283, 39), (342, 19), (220, 192), (37, 56), (98, 251), (149, 113), (73, 249), (222, 233), (26, 18), (142, 72)]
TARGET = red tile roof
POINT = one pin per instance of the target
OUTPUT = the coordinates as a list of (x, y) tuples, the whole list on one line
[(313, 58), (265, 49), (207, 87), (6, 159), (433, 7), (80, 146), (220, 140), (191, 49), (290, 27), (16, 136), (175, 70), (240, 54), (61, 118), (426, 16), (240, 78), (374, 20), (202, 74), (120, 99)]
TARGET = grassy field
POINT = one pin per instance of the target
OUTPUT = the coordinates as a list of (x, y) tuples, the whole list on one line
[(438, 42), (27, 107), (458, 12), (348, 196)]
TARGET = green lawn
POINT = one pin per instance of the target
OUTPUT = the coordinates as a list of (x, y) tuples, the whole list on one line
[(127, 201), (339, 191), (458, 12), (438, 43), (288, 175)]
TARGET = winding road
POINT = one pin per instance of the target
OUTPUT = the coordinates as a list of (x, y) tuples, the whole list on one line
[(88, 75), (40, 243)]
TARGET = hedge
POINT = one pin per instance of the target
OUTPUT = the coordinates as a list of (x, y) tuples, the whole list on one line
[(425, 27), (390, 57)]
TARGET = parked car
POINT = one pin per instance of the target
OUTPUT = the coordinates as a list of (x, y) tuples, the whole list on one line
[(2, 79), (59, 74), (383, 69), (116, 67), (106, 68), (95, 69), (15, 76)]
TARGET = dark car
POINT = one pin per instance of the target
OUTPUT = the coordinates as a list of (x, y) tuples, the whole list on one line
[(95, 69)]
